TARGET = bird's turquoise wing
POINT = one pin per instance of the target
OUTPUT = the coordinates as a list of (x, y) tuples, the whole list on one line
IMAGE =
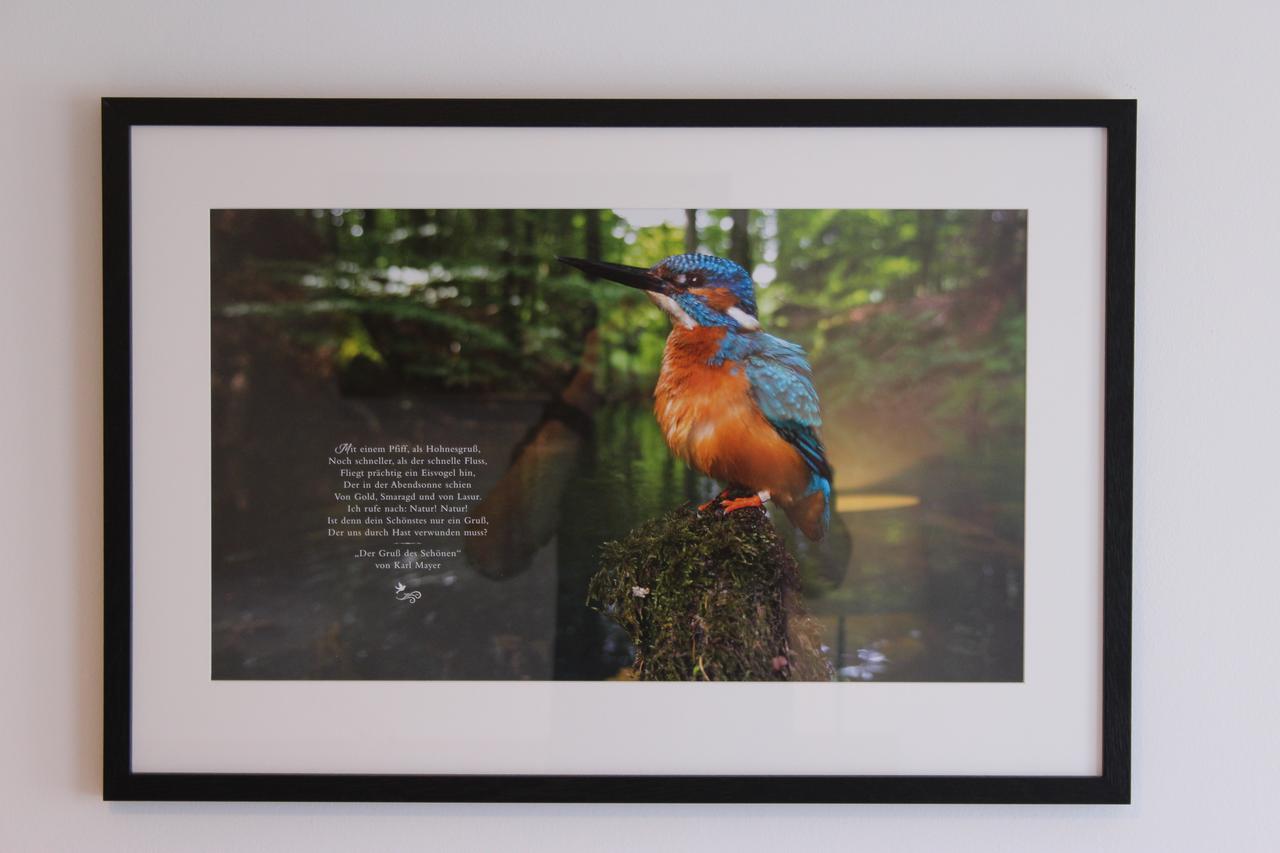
[(781, 385)]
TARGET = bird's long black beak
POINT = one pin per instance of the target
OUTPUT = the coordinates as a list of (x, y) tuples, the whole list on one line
[(637, 277)]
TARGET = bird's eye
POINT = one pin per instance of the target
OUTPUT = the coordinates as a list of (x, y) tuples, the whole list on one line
[(694, 279)]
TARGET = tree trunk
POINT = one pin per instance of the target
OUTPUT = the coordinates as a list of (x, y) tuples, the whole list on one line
[(739, 240), (509, 314), (927, 239), (591, 232), (709, 597)]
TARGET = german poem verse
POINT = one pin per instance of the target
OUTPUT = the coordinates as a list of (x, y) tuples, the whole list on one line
[(418, 499)]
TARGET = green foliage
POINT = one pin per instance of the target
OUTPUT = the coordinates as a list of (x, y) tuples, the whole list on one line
[(902, 303), (448, 298), (707, 597), (885, 301)]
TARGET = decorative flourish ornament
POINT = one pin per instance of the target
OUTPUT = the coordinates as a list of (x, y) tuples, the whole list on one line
[(410, 597)]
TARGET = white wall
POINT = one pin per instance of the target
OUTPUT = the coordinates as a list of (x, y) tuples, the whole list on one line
[(1207, 573)]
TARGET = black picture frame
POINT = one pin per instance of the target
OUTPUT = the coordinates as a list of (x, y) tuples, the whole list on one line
[(1116, 117)]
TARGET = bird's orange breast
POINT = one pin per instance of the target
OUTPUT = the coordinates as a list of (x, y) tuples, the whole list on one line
[(710, 420)]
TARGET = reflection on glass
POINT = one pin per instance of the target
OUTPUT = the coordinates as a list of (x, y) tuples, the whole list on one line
[(416, 325)]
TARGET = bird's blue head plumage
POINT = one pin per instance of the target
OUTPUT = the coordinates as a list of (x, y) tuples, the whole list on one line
[(705, 285), (694, 289)]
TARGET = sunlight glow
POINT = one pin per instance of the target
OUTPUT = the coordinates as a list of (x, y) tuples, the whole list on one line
[(870, 502)]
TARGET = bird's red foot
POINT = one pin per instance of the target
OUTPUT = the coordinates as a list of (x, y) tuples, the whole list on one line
[(740, 503), (709, 504)]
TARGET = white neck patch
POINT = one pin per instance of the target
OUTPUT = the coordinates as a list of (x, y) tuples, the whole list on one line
[(745, 320), (673, 309)]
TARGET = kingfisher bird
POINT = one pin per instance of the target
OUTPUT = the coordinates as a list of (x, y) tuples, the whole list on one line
[(734, 402)]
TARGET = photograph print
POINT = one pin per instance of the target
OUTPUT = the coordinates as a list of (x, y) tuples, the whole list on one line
[(618, 444)]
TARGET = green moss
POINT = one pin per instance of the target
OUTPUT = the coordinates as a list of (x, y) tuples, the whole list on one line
[(709, 597)]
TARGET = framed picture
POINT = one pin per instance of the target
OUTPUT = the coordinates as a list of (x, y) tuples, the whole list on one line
[(618, 450)]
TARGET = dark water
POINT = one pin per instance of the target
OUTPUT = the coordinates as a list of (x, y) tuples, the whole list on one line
[(921, 578)]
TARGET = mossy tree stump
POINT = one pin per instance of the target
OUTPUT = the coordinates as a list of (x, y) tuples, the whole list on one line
[(709, 597)]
